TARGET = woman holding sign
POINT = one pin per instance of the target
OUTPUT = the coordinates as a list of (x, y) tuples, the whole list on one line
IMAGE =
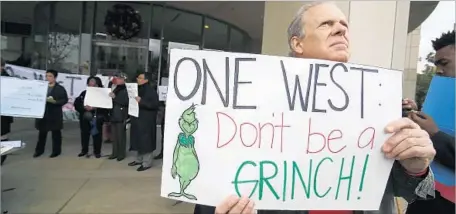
[(90, 120), (53, 116)]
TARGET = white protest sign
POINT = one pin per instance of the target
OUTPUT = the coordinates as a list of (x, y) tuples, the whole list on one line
[(133, 107), (23, 98), (98, 97), (7, 147), (74, 84), (293, 134), (162, 91)]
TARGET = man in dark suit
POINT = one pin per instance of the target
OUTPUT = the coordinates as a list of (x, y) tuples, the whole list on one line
[(53, 117)]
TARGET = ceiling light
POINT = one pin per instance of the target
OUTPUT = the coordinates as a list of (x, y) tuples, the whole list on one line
[(206, 26)]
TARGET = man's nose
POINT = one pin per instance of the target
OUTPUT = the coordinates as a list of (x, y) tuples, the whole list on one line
[(339, 29)]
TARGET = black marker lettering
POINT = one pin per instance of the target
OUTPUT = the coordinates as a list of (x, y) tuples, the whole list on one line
[(297, 89), (197, 83), (226, 99), (362, 84), (316, 84), (72, 83), (236, 83), (347, 99)]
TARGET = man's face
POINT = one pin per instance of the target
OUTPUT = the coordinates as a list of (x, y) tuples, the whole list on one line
[(325, 34), (141, 79), (444, 60), (50, 77)]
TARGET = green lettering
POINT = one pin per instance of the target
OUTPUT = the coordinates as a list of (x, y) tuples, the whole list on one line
[(297, 172), (316, 176), (349, 178), (265, 180), (236, 178), (361, 184), (285, 180)]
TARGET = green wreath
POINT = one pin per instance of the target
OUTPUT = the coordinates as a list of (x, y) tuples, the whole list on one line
[(123, 22)]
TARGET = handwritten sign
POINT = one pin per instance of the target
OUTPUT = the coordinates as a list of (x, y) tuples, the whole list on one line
[(133, 107), (293, 134), (74, 84), (98, 97), (23, 98), (7, 147), (162, 92)]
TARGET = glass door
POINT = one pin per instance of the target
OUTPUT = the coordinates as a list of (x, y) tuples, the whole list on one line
[(110, 58)]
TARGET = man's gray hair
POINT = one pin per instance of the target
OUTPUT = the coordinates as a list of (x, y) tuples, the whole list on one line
[(296, 27)]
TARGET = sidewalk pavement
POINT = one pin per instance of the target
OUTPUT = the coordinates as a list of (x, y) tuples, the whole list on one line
[(73, 185)]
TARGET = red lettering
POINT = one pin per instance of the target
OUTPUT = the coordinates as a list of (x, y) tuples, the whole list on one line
[(335, 138), (218, 129), (272, 133), (241, 131), (282, 126), (310, 135), (371, 141), (324, 141)]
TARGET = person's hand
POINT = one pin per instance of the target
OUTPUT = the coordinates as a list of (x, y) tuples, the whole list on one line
[(409, 104), (409, 144), (50, 99), (235, 205), (425, 122), (88, 108), (138, 99), (112, 95)]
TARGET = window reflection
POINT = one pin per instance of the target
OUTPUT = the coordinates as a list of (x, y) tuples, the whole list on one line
[(237, 41), (216, 35), (182, 27)]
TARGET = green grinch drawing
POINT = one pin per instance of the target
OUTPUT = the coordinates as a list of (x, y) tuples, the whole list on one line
[(185, 161)]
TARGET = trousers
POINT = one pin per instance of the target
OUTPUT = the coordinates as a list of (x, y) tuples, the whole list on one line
[(145, 159), (119, 140), (56, 141)]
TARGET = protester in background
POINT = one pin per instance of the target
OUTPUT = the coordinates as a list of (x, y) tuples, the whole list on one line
[(5, 120), (144, 127), (444, 144), (320, 31), (118, 117), (53, 117), (90, 120), (107, 138)]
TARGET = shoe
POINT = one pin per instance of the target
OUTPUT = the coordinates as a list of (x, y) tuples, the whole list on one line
[(82, 154), (37, 154), (53, 155), (142, 168), (112, 157), (158, 157), (134, 163), (120, 159), (97, 156)]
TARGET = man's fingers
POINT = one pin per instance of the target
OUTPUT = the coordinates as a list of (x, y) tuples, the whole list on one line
[(227, 204), (397, 138), (250, 208), (400, 124), (240, 206), (418, 151)]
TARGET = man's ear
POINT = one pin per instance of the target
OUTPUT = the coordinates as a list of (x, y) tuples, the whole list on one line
[(296, 45)]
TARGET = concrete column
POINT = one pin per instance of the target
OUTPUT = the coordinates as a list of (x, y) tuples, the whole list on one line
[(378, 31)]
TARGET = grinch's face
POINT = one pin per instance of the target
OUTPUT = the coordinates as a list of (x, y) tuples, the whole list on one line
[(188, 122)]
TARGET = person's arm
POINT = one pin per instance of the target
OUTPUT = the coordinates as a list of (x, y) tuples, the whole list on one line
[(445, 149), (61, 96), (121, 98), (412, 187), (150, 100), (79, 103)]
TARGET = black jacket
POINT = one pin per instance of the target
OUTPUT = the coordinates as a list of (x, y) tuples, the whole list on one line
[(119, 111), (100, 113), (143, 132), (53, 115)]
